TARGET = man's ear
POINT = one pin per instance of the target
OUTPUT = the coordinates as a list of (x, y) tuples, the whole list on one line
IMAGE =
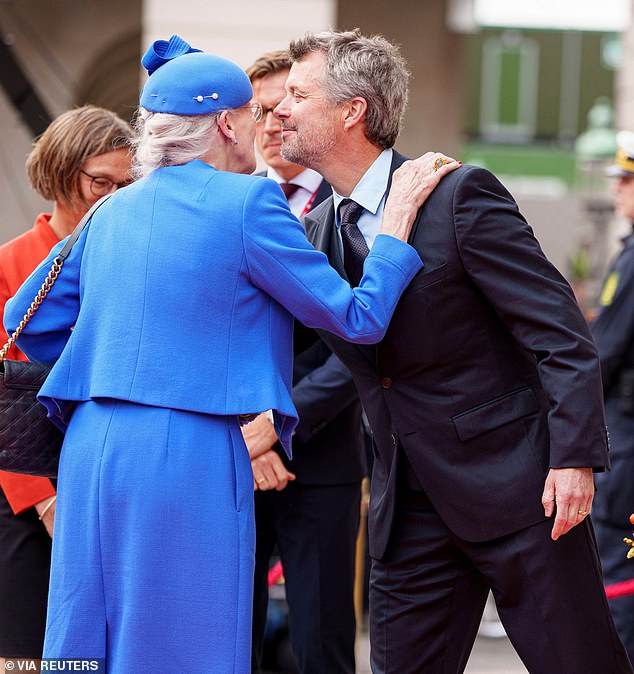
[(225, 124), (354, 112)]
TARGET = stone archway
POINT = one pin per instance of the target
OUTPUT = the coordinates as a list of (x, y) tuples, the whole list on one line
[(111, 79)]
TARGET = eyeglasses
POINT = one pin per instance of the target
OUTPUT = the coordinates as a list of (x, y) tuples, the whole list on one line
[(100, 185), (256, 109), (268, 111)]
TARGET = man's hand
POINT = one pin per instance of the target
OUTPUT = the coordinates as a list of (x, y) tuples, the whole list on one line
[(47, 506), (412, 183), (570, 491), (269, 472), (259, 435)]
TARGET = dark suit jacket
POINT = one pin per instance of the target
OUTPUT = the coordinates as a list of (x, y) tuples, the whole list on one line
[(488, 374), (328, 446)]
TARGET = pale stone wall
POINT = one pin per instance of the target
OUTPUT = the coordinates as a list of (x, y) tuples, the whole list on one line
[(240, 30), (73, 51)]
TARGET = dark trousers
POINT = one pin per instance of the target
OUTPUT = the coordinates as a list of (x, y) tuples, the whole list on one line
[(428, 593), (315, 528), (25, 561)]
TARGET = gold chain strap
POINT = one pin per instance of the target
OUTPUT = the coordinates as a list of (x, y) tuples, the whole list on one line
[(35, 305)]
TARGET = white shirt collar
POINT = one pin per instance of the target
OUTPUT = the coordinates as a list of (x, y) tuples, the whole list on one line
[(370, 190), (308, 179)]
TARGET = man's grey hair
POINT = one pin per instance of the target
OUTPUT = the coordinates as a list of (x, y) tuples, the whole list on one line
[(164, 139), (369, 67)]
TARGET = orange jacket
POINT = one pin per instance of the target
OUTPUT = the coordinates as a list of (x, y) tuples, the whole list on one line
[(18, 258)]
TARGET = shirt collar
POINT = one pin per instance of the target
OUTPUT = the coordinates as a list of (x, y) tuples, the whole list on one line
[(308, 179), (44, 229), (371, 189)]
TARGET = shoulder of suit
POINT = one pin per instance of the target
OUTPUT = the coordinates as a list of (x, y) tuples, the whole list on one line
[(466, 175), (320, 211)]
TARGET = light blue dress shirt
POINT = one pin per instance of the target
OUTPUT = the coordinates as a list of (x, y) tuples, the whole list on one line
[(370, 193)]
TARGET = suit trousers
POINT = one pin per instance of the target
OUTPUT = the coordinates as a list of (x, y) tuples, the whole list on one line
[(428, 593), (315, 528)]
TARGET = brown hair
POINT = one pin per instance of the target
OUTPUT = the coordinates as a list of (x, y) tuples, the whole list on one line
[(76, 135), (268, 64)]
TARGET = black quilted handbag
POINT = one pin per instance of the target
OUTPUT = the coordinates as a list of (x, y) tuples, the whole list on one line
[(29, 442)]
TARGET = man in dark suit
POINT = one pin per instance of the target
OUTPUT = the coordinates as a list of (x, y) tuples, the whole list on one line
[(484, 397), (313, 517)]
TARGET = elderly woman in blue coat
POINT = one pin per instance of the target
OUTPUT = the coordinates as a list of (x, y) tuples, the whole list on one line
[(171, 317)]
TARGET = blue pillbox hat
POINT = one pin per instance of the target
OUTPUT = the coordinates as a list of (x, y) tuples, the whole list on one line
[(186, 81)]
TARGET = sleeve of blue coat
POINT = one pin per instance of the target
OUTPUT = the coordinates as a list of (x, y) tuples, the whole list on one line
[(282, 262), (46, 334)]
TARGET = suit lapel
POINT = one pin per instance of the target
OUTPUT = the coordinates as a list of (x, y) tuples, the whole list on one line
[(323, 192), (322, 233)]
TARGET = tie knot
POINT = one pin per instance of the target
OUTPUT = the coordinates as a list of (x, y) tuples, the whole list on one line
[(349, 212), (289, 189)]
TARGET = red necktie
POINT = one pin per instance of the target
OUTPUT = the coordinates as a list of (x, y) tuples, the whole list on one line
[(289, 189)]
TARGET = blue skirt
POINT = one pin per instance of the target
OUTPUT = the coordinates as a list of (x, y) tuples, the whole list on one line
[(152, 563)]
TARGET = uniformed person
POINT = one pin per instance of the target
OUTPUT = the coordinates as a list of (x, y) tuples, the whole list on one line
[(614, 334)]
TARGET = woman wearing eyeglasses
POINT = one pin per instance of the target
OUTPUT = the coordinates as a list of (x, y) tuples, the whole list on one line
[(83, 155), (180, 294)]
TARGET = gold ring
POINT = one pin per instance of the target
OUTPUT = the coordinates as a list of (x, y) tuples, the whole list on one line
[(440, 162), (583, 513), (262, 479)]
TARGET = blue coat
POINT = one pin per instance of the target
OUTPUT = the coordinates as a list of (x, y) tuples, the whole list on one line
[(181, 292)]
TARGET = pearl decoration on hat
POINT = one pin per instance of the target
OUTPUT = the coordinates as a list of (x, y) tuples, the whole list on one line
[(201, 98)]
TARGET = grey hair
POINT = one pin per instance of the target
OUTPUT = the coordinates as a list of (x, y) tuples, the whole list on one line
[(369, 67), (164, 139)]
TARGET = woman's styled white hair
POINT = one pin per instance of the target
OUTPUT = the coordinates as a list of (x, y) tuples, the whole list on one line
[(164, 139)]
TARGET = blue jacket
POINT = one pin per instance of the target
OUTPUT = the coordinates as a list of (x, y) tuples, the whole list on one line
[(181, 292)]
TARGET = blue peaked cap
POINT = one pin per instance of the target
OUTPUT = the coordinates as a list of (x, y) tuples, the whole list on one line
[(187, 81)]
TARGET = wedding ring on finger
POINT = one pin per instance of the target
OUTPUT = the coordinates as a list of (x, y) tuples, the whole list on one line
[(582, 513), (261, 480), (440, 162)]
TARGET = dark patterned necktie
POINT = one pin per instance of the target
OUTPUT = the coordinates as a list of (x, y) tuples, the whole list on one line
[(289, 189), (355, 249)]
